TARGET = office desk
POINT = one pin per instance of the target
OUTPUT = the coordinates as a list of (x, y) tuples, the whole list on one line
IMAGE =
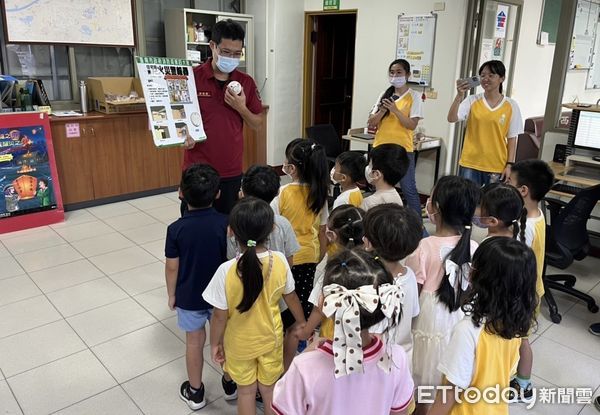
[(561, 173), (437, 149)]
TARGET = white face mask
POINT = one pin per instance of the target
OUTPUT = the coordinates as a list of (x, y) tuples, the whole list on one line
[(368, 171), (332, 176), (398, 81), (286, 169)]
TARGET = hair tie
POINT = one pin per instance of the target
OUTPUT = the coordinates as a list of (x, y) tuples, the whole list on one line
[(376, 258), (250, 243), (312, 146), (515, 221), (467, 226), (344, 265), (350, 239)]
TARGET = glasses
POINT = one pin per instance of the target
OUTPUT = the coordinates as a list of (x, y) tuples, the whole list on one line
[(230, 54)]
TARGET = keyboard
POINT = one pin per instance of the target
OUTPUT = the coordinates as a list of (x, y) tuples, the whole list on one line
[(565, 188)]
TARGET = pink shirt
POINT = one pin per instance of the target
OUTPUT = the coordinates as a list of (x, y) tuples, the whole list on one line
[(309, 386), (428, 259)]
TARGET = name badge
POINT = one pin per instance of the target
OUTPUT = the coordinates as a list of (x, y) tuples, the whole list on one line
[(204, 94)]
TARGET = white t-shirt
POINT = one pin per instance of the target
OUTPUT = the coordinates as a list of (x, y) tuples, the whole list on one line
[(410, 309), (380, 197), (282, 239), (214, 293), (344, 197)]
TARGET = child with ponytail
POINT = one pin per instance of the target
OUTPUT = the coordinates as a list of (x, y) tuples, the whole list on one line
[(246, 332), (356, 372), (303, 202), (344, 230), (442, 265), (502, 212)]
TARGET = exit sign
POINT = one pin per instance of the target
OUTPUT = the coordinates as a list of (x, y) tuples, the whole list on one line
[(331, 4)]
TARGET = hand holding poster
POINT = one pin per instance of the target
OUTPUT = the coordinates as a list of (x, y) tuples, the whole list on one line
[(171, 100)]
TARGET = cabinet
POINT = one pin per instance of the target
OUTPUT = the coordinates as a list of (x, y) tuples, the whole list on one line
[(113, 156), (182, 41)]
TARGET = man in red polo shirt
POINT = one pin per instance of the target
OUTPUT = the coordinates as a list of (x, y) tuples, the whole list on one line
[(223, 112)]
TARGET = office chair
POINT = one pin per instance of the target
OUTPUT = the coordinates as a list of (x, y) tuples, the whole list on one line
[(326, 136), (567, 240)]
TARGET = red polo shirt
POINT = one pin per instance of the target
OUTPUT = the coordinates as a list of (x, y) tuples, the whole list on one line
[(224, 146)]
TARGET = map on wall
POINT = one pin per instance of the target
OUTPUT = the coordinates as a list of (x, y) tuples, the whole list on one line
[(97, 22)]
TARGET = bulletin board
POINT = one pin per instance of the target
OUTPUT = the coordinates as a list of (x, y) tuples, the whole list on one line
[(584, 34), (415, 43), (90, 22)]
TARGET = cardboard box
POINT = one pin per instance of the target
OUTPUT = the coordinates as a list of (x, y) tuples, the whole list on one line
[(101, 90)]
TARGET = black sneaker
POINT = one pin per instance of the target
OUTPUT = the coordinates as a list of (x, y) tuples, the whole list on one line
[(195, 400), (595, 330), (520, 395), (230, 389)]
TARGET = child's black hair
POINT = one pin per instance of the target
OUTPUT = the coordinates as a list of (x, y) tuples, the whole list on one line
[(45, 181), (311, 164), (352, 163), (391, 90), (347, 222), (391, 160), (456, 199), (393, 230), (227, 29), (262, 182), (496, 67), (536, 175), (353, 269), (505, 203), (503, 295), (251, 219), (199, 185)]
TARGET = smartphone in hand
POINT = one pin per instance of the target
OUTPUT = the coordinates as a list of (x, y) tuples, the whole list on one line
[(472, 81)]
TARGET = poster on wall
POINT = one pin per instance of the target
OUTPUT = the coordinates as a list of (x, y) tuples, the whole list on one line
[(29, 189), (415, 43), (171, 100), (501, 19)]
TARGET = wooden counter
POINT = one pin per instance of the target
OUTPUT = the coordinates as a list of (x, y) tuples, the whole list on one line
[(114, 158)]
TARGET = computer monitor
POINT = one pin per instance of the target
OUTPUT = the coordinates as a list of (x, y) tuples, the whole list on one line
[(587, 131)]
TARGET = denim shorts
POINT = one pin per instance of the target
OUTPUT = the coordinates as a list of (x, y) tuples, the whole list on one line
[(192, 320)]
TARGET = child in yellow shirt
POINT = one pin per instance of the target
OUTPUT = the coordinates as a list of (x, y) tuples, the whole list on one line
[(533, 179), (246, 332)]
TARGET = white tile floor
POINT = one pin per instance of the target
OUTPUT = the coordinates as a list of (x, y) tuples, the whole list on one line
[(85, 328)]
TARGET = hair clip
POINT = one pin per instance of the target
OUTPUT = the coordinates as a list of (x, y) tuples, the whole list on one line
[(312, 146), (467, 226), (250, 243), (344, 265), (350, 239), (515, 221), (376, 258)]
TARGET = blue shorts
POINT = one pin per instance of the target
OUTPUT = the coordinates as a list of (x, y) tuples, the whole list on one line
[(192, 320)]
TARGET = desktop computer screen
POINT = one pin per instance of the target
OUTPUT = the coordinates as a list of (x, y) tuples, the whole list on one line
[(587, 133)]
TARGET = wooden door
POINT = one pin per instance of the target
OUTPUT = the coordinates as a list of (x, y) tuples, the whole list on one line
[(111, 169), (74, 163), (334, 39)]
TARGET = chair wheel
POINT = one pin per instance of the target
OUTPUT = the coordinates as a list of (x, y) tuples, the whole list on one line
[(556, 318), (593, 308)]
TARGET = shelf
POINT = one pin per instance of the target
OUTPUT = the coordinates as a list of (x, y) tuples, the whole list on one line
[(198, 43)]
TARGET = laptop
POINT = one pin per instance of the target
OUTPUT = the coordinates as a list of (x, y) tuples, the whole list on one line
[(364, 136)]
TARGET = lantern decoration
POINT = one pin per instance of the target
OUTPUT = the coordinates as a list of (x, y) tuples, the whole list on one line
[(26, 186)]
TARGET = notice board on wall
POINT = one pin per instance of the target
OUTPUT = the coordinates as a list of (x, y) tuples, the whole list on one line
[(90, 22), (415, 43)]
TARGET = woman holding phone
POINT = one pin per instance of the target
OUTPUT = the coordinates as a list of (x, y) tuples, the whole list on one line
[(493, 124), (396, 114)]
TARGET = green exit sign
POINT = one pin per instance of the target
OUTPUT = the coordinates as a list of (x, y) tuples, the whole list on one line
[(331, 4)]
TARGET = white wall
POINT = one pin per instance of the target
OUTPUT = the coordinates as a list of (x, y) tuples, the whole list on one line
[(375, 48)]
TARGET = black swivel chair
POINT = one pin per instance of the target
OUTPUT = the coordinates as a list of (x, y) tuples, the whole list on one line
[(567, 240), (326, 136)]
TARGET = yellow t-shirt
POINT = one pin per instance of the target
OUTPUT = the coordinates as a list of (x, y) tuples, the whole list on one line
[(535, 238), (259, 330), (391, 131), (292, 204), (352, 197), (478, 359), (485, 146)]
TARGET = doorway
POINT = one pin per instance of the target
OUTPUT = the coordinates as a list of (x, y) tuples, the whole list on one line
[(495, 36), (329, 44)]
